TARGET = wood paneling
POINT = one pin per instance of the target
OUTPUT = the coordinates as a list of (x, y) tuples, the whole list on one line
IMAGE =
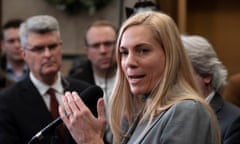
[(218, 21)]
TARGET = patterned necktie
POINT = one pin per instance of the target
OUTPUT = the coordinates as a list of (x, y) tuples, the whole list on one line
[(54, 109)]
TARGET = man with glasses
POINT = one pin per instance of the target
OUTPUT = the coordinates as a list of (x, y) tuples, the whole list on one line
[(31, 104), (12, 61), (100, 66)]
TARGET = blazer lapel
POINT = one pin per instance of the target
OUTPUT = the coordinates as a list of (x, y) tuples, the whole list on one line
[(217, 103), (34, 102)]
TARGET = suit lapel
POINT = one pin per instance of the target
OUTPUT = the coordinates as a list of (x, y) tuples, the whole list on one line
[(34, 101), (217, 104)]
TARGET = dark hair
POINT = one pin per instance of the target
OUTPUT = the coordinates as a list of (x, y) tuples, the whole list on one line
[(13, 23), (140, 6)]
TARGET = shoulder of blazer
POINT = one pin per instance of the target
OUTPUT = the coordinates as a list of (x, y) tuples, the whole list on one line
[(16, 86), (20, 91)]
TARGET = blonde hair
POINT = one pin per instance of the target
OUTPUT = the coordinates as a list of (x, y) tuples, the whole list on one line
[(177, 81)]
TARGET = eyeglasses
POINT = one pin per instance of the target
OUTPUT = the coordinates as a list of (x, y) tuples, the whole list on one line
[(106, 44), (41, 48)]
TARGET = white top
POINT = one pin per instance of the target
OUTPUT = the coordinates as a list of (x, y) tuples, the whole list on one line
[(107, 87), (210, 97)]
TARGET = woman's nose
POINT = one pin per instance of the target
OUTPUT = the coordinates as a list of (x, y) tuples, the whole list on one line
[(131, 60)]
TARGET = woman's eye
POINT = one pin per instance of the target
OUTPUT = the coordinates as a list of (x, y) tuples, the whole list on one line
[(143, 51), (123, 52)]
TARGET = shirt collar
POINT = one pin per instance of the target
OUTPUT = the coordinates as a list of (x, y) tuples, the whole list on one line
[(210, 96), (9, 68), (42, 87)]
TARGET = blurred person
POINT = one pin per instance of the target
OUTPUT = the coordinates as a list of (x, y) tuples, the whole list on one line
[(29, 105), (155, 98), (100, 66), (4, 80), (141, 6), (231, 91), (211, 75), (12, 61)]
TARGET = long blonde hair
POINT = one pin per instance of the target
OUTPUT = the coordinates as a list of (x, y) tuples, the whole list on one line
[(177, 81)]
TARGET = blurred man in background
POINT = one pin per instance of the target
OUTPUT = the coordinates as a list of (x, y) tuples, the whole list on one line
[(12, 61), (100, 66)]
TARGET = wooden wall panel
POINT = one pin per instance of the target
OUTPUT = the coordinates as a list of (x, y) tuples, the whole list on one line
[(219, 22)]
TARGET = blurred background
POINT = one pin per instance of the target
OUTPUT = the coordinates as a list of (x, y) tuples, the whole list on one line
[(216, 20)]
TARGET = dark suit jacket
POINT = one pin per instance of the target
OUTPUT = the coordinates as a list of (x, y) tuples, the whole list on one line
[(23, 113), (228, 116), (83, 72), (3, 62), (4, 81)]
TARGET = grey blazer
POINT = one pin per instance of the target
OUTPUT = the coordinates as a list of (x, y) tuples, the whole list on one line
[(186, 122)]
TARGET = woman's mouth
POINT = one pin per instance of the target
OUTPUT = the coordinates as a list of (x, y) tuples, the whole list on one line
[(134, 79)]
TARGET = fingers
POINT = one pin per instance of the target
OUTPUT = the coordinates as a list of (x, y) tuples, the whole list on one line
[(70, 107), (72, 100), (79, 119), (101, 109), (66, 100), (65, 111), (78, 101), (63, 115), (101, 114), (74, 106)]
